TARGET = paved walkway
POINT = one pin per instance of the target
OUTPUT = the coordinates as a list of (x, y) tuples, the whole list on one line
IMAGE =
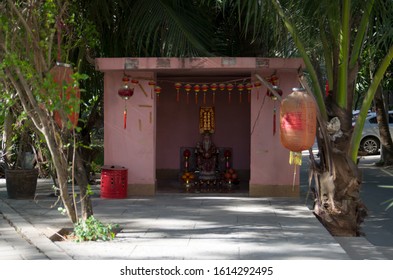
[(196, 226)]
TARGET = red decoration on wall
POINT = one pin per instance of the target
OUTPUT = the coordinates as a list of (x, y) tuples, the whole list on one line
[(125, 92)]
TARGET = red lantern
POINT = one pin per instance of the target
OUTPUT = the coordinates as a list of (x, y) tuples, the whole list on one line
[(157, 91), (197, 88), (298, 123), (240, 88), (257, 85), (229, 88), (62, 73), (187, 153), (134, 82), (177, 87), (214, 88), (271, 95), (249, 88), (188, 88), (152, 84), (205, 88), (125, 92)]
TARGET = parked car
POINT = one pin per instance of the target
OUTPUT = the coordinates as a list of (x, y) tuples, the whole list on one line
[(371, 142)]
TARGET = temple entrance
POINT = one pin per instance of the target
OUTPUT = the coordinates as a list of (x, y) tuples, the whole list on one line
[(203, 137)]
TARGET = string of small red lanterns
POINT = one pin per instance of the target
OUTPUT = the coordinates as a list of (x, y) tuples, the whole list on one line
[(127, 90), (227, 86)]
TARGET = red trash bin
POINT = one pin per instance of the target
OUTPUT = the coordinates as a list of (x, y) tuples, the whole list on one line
[(114, 181)]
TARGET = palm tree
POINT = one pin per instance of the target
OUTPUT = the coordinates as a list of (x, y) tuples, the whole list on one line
[(339, 30)]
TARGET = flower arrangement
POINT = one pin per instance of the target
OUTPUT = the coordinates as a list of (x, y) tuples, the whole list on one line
[(230, 175), (188, 177)]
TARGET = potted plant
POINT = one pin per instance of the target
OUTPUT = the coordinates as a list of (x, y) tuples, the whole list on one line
[(18, 162)]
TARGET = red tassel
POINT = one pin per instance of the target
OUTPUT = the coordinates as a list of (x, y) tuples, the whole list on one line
[(125, 118), (274, 121)]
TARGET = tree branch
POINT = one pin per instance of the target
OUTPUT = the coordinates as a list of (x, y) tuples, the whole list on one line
[(342, 91), (25, 104), (29, 31), (357, 133), (357, 45), (313, 75)]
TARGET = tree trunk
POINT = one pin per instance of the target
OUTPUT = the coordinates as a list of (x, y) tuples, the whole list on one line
[(7, 137), (83, 183), (384, 132), (338, 205), (61, 166)]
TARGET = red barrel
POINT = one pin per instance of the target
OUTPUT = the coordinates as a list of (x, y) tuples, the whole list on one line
[(114, 181)]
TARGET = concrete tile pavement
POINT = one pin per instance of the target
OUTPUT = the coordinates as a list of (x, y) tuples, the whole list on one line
[(199, 226), (184, 227)]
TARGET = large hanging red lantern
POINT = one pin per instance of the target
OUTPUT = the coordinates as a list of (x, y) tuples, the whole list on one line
[(298, 123), (125, 92), (62, 74)]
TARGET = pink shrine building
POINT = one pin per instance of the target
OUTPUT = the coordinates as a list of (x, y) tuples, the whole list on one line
[(160, 123)]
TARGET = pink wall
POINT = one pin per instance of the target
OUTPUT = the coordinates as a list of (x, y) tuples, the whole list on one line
[(269, 159), (178, 122), (133, 147)]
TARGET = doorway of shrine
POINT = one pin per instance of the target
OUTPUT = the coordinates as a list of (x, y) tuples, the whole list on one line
[(203, 134)]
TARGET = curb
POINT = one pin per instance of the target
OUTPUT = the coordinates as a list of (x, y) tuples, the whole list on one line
[(31, 234)]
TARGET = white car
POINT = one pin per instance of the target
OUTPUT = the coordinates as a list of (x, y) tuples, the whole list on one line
[(370, 142)]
